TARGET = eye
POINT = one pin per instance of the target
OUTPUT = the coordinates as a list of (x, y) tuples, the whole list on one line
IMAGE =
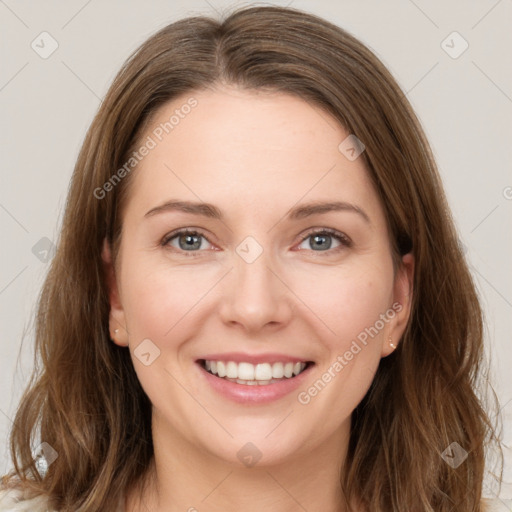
[(192, 241), (321, 240), (186, 240)]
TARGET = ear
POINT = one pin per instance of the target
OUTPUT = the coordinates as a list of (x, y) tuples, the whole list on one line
[(402, 302), (117, 322)]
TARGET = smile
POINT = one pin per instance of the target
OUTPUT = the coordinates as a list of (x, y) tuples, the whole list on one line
[(249, 374)]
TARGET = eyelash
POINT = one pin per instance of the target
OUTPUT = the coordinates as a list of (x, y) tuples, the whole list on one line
[(340, 237)]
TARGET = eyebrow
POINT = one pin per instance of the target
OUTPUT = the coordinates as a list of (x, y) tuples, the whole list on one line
[(299, 212)]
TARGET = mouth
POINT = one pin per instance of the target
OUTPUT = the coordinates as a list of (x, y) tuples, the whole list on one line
[(261, 374)]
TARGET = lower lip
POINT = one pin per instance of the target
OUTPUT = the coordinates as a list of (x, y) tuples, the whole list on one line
[(255, 394)]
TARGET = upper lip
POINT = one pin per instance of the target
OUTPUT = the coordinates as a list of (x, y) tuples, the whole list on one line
[(239, 357)]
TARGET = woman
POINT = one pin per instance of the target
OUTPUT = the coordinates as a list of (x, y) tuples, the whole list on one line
[(258, 298)]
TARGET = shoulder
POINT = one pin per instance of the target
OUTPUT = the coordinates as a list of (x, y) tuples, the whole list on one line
[(14, 500), (496, 505)]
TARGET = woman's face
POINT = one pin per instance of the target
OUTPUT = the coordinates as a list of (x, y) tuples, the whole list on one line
[(288, 266)]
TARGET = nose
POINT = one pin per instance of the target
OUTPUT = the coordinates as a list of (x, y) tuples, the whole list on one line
[(255, 296)]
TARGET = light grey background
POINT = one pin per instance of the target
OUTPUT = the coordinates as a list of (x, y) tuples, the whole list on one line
[(46, 105)]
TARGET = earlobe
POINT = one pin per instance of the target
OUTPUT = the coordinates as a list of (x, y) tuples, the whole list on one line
[(117, 323), (402, 303)]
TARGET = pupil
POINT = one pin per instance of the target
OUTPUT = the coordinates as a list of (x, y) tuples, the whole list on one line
[(190, 243), (320, 238)]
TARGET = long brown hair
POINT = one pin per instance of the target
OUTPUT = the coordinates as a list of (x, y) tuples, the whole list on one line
[(85, 400)]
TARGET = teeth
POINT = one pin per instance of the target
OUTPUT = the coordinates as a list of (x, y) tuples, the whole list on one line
[(247, 382), (288, 370), (247, 373), (278, 370), (263, 371), (221, 369), (232, 370)]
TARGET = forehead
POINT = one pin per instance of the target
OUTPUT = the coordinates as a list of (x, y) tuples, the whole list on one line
[(244, 148)]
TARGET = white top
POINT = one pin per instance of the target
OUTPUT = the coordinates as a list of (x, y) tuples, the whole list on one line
[(11, 501)]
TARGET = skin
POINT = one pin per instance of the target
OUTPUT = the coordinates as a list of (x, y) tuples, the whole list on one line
[(254, 155)]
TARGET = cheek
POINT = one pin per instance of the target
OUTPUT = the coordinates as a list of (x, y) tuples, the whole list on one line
[(159, 298), (350, 303), (347, 300)]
